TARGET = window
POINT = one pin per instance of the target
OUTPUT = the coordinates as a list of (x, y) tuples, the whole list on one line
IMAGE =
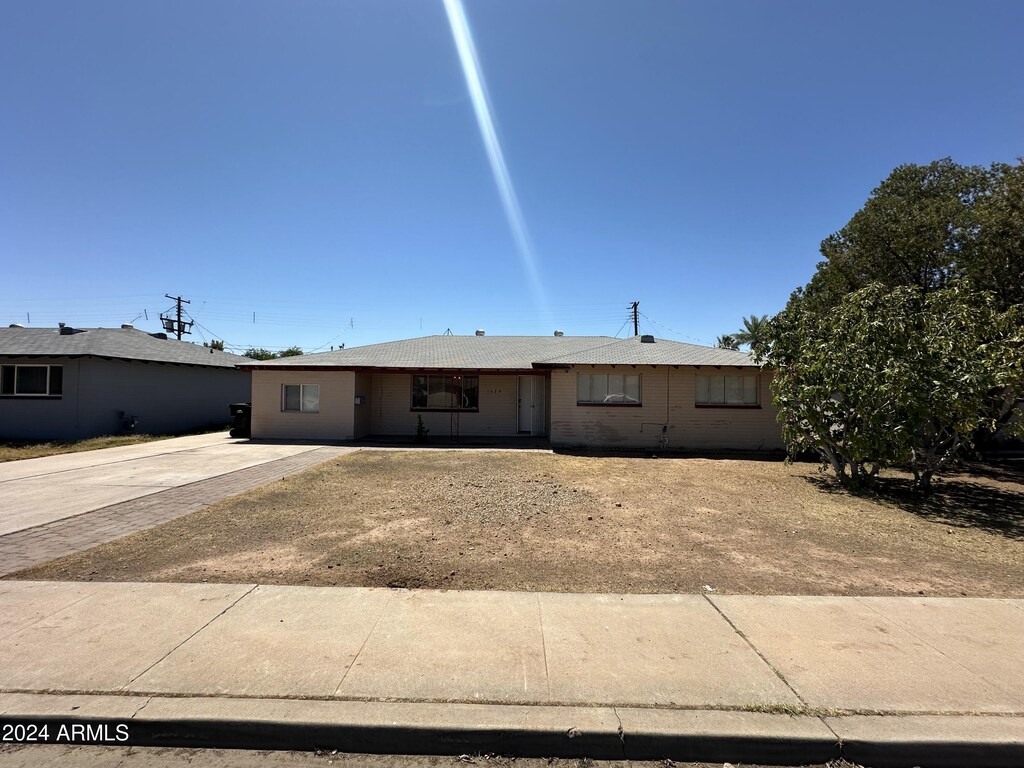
[(608, 389), (300, 397), (32, 380), (727, 390), (437, 392)]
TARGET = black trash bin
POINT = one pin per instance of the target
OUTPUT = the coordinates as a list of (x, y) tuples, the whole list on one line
[(242, 413)]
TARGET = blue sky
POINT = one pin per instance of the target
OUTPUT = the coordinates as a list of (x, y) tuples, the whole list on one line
[(320, 164)]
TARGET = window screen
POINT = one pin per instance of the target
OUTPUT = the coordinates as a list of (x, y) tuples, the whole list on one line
[(444, 392), (608, 389), (32, 380), (727, 390), (300, 397)]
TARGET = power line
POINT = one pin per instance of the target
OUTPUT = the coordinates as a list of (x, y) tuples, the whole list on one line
[(674, 332), (624, 323)]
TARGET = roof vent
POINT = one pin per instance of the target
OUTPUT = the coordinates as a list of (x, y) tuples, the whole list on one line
[(559, 333), (15, 325), (159, 336), (67, 330), (646, 339), (127, 327), (60, 325), (479, 331)]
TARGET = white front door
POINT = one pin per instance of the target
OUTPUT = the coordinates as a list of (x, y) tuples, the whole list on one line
[(539, 426), (531, 405)]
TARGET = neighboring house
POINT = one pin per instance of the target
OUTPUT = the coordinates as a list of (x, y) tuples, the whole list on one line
[(72, 383), (576, 391)]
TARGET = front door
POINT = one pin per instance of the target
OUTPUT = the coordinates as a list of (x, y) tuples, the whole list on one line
[(531, 405)]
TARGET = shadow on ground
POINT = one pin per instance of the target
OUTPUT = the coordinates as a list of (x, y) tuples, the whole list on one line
[(956, 502), (669, 453), (1000, 470)]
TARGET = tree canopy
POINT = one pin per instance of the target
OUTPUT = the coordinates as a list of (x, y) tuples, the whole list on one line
[(908, 341), (754, 332), (259, 353), (925, 226), (895, 376)]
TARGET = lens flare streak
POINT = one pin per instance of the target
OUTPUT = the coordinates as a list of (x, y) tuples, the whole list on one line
[(485, 120)]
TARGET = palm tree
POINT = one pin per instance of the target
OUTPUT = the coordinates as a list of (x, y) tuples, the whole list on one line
[(727, 341), (754, 331)]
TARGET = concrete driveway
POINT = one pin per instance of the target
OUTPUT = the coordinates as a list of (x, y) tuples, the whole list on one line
[(38, 491)]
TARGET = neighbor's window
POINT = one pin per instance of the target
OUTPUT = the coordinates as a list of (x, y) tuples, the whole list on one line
[(300, 397), (727, 390), (608, 389), (29, 380), (434, 392)]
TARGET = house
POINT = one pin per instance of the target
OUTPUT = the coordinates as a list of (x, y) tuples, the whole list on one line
[(593, 391), (71, 383)]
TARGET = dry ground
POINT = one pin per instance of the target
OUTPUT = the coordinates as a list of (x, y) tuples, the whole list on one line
[(537, 521)]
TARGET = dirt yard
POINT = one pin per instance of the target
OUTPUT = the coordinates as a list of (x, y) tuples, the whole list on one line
[(542, 522)]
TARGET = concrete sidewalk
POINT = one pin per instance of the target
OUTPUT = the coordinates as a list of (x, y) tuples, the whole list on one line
[(880, 681)]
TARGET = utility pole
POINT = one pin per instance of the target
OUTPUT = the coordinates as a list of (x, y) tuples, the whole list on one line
[(177, 326), (636, 318)]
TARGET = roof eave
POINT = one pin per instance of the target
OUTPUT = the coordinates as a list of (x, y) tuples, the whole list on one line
[(391, 369)]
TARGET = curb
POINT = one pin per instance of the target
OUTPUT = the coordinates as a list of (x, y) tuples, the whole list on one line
[(880, 741), (599, 733)]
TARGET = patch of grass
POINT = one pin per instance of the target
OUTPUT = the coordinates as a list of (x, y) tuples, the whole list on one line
[(15, 451)]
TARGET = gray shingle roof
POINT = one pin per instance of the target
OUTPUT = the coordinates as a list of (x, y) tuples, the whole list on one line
[(512, 353), (633, 351), (447, 352), (119, 343)]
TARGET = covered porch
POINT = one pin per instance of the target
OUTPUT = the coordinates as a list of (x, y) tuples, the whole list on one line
[(459, 404)]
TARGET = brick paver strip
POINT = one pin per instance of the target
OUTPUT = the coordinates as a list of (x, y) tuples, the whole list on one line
[(32, 546)]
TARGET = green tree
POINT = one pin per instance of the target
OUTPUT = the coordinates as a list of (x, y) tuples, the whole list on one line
[(995, 261), (926, 225), (259, 353), (753, 332), (895, 376), (727, 341)]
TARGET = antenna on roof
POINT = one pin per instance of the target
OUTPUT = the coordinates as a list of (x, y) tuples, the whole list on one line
[(448, 333)]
